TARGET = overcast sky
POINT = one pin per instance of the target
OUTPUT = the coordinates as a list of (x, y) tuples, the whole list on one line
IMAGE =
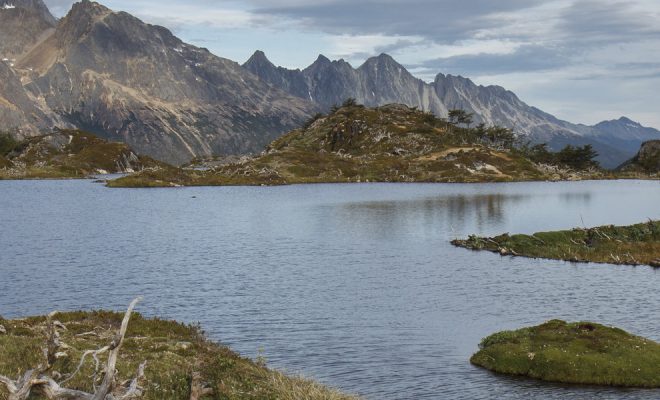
[(581, 60)]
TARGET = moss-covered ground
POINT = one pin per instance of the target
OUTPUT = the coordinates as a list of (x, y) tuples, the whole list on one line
[(632, 245), (580, 353), (173, 351)]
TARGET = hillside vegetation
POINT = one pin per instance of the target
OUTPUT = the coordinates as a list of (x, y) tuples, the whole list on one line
[(583, 353), (66, 154), (177, 361), (633, 245), (392, 143)]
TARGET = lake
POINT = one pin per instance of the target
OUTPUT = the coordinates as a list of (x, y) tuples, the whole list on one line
[(354, 285)]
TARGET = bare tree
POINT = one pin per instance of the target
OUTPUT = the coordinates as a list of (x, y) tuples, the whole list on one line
[(39, 380)]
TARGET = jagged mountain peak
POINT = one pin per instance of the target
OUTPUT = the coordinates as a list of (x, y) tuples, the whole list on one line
[(629, 121), (321, 59), (385, 67), (89, 6), (79, 20), (623, 122), (259, 60), (323, 63), (86, 11), (259, 55), (382, 58)]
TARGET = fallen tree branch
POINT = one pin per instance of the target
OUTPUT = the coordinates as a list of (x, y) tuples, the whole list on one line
[(197, 388), (37, 380)]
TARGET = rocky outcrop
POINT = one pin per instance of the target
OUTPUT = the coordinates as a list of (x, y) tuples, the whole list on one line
[(647, 160), (69, 154)]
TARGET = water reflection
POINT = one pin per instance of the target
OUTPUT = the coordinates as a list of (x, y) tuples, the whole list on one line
[(452, 212), (581, 198)]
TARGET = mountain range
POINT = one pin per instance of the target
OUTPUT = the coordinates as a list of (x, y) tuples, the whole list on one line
[(124, 80), (382, 80)]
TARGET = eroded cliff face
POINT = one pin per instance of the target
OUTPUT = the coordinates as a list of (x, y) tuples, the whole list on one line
[(111, 74)]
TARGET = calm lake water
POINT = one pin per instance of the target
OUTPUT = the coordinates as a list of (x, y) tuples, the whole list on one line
[(354, 285)]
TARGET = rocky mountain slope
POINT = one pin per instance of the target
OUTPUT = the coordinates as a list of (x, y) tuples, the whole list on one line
[(23, 23), (646, 161), (67, 154), (121, 79), (381, 80)]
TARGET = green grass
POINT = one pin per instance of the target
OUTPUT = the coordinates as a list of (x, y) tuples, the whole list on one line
[(173, 351), (580, 353), (633, 245)]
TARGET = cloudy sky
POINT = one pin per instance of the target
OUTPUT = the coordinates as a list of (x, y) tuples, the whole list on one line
[(582, 60)]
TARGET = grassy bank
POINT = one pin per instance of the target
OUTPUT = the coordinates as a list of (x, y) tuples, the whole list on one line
[(581, 353), (173, 351), (632, 245)]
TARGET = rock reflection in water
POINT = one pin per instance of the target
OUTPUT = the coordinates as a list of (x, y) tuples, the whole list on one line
[(449, 213)]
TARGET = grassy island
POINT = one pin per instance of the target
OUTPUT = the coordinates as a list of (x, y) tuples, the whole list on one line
[(174, 361), (392, 143), (580, 353), (632, 245)]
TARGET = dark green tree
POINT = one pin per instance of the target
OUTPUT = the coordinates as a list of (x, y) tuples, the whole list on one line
[(350, 102)]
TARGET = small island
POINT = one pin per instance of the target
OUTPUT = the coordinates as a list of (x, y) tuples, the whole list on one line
[(78, 355), (579, 353), (630, 245), (392, 143)]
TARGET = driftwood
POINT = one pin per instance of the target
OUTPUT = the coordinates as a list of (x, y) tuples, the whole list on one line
[(39, 381), (197, 388)]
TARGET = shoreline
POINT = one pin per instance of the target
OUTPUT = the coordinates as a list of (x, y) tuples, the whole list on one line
[(634, 245)]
